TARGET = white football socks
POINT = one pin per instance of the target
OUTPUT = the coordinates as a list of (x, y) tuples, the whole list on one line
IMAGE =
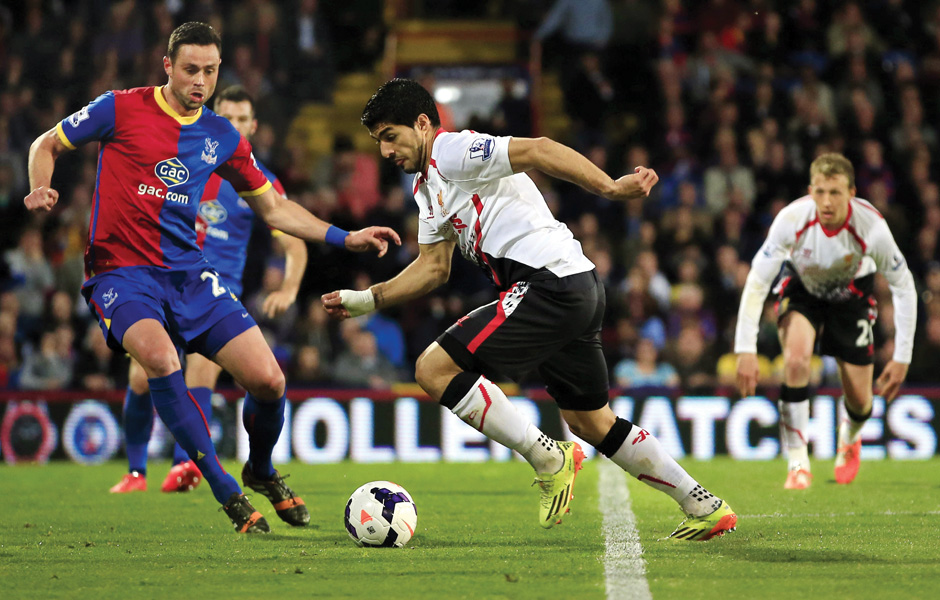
[(487, 409), (642, 456), (794, 422), (850, 431)]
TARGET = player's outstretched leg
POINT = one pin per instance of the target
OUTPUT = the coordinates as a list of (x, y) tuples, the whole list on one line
[(481, 404), (182, 416), (184, 475), (848, 457), (263, 421), (138, 424), (637, 452), (794, 423)]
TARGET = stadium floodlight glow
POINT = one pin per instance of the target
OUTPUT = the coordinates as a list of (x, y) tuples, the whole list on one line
[(446, 94)]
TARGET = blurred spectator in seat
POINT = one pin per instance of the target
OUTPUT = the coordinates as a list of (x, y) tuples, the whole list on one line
[(355, 177), (727, 176), (389, 337), (925, 360), (362, 366), (49, 366), (31, 277), (649, 279), (307, 367), (777, 179), (581, 25), (313, 329), (98, 368), (60, 311), (9, 353), (513, 113), (873, 168), (645, 370), (313, 67), (589, 97), (688, 310), (281, 326), (693, 361)]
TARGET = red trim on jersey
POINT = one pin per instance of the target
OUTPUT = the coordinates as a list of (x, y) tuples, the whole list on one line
[(854, 289), (783, 288), (478, 229), (489, 402), (805, 227), (869, 207), (495, 322), (857, 237), (834, 232), (431, 161)]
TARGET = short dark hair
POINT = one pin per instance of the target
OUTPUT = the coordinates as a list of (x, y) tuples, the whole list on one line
[(399, 102), (234, 93), (193, 32)]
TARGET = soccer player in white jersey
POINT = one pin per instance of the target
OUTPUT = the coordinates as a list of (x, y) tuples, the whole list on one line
[(472, 192), (830, 244)]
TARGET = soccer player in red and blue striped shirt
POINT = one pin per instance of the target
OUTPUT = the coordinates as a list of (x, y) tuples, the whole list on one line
[(223, 226), (149, 284)]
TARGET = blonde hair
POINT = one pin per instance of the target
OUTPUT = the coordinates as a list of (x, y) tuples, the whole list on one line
[(831, 164)]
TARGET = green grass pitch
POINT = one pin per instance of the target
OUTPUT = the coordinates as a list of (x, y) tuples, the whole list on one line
[(63, 536)]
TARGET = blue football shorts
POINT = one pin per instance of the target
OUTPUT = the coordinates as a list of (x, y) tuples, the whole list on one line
[(195, 305)]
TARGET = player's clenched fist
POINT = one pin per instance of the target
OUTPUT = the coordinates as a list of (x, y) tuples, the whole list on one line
[(636, 185), (42, 198), (372, 238)]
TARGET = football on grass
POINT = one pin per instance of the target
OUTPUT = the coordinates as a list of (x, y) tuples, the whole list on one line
[(381, 514)]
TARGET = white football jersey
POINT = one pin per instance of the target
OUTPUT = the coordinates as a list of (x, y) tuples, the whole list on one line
[(828, 262), (499, 219)]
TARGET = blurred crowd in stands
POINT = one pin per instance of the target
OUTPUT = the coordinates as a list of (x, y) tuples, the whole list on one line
[(729, 100)]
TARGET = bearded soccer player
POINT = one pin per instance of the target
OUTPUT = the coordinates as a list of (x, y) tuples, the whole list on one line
[(472, 192), (223, 225), (148, 282), (830, 244)]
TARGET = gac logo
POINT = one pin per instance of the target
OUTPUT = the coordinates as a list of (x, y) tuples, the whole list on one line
[(172, 172), (213, 212)]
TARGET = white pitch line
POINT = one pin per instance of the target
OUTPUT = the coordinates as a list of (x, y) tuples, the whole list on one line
[(624, 567), (887, 513)]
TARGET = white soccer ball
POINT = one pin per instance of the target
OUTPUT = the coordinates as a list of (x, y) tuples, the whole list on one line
[(381, 514)]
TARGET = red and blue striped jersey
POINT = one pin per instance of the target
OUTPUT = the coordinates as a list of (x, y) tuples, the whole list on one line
[(153, 165), (224, 225)]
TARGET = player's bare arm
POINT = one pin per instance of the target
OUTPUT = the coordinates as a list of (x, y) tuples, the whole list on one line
[(42, 156), (890, 380), (562, 162), (430, 270), (288, 216), (747, 373), (295, 254)]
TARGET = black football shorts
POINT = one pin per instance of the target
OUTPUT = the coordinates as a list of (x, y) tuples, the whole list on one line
[(548, 324), (843, 329)]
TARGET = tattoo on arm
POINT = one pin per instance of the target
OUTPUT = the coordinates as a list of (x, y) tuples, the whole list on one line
[(378, 295)]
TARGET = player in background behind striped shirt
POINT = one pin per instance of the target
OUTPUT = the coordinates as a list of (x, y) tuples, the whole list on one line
[(830, 245), (224, 226)]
